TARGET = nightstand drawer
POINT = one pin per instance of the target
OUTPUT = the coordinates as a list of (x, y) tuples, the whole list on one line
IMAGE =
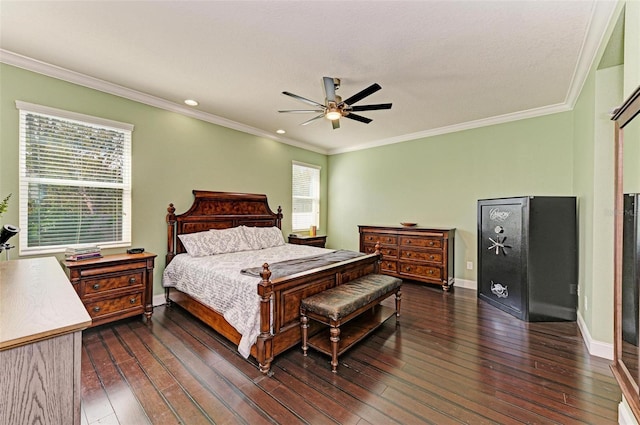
[(118, 304), (96, 286)]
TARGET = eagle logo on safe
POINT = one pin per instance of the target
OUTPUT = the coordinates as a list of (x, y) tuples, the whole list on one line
[(499, 290)]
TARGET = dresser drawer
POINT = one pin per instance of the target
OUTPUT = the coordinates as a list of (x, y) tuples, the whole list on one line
[(389, 266), (384, 250), (116, 304), (431, 256), (108, 283), (421, 270), (422, 242), (380, 237)]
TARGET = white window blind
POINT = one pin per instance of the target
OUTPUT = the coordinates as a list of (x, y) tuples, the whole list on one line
[(75, 180), (306, 196)]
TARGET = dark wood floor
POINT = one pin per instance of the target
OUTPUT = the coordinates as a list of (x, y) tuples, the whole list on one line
[(453, 359)]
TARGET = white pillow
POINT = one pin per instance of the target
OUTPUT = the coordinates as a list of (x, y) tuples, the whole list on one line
[(251, 235), (215, 241), (197, 244), (229, 240), (264, 237)]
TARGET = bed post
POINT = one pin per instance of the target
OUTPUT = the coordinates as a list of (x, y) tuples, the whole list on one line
[(264, 344), (279, 217), (376, 266), (171, 223)]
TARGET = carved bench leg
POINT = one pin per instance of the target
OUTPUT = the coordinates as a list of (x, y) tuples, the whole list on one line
[(304, 327), (335, 339), (398, 300)]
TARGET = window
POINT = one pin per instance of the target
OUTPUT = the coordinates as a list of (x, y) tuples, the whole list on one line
[(75, 180), (306, 196)]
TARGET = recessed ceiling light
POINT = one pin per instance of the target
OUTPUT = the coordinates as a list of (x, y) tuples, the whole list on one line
[(191, 102), (280, 131)]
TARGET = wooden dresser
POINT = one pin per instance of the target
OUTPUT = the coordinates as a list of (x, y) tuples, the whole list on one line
[(115, 286), (41, 323), (415, 253)]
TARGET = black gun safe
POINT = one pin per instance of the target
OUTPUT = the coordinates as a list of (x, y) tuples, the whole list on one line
[(528, 256), (630, 268)]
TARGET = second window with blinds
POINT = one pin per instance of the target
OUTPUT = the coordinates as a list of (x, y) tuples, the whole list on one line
[(306, 196)]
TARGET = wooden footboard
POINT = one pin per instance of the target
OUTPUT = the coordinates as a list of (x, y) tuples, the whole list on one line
[(279, 298)]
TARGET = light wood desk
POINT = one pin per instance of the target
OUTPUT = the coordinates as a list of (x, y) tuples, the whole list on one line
[(41, 323)]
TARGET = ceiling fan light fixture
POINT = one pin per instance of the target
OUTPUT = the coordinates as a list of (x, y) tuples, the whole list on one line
[(333, 114)]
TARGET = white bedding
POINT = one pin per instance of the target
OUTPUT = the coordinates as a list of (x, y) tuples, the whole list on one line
[(216, 281)]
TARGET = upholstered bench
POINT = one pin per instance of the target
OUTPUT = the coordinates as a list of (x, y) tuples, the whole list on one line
[(357, 300)]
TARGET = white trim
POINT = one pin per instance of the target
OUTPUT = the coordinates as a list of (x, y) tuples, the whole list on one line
[(601, 15), (73, 116), (465, 283), (625, 415), (14, 59), (306, 164), (596, 348)]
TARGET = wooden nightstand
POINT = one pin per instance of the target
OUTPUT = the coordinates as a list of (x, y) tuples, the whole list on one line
[(318, 241), (115, 286)]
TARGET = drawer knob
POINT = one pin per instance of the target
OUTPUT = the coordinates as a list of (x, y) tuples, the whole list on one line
[(408, 254), (96, 309), (430, 271), (430, 243), (409, 241), (132, 301), (96, 286), (132, 280), (431, 257), (408, 269)]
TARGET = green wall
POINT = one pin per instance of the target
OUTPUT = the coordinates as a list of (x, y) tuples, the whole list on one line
[(437, 181), (171, 155)]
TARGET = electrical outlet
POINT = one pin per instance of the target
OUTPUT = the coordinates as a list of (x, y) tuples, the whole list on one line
[(469, 265)]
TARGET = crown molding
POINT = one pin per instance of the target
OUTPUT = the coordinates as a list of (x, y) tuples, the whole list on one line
[(469, 125), (601, 15), (29, 64)]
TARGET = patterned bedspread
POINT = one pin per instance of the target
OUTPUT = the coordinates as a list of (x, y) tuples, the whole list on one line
[(217, 282)]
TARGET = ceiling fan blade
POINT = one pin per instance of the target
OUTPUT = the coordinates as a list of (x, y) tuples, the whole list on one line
[(301, 111), (358, 118), (335, 124), (329, 89), (371, 107), (303, 99), (362, 94), (313, 119)]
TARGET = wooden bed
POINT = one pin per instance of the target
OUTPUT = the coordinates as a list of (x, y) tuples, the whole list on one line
[(279, 298)]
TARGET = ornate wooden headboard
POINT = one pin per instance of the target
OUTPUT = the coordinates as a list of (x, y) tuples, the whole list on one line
[(218, 210)]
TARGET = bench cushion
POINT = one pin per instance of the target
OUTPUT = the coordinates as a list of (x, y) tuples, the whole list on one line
[(342, 300)]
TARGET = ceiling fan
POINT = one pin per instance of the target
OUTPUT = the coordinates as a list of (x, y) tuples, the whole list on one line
[(334, 107)]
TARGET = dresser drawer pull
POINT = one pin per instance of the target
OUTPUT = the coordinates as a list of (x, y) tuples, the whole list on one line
[(96, 286), (430, 271), (431, 257), (96, 309), (132, 301), (408, 269), (408, 254), (132, 280), (389, 239), (409, 241), (430, 243)]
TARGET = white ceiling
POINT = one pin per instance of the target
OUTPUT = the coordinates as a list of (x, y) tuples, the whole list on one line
[(445, 65)]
